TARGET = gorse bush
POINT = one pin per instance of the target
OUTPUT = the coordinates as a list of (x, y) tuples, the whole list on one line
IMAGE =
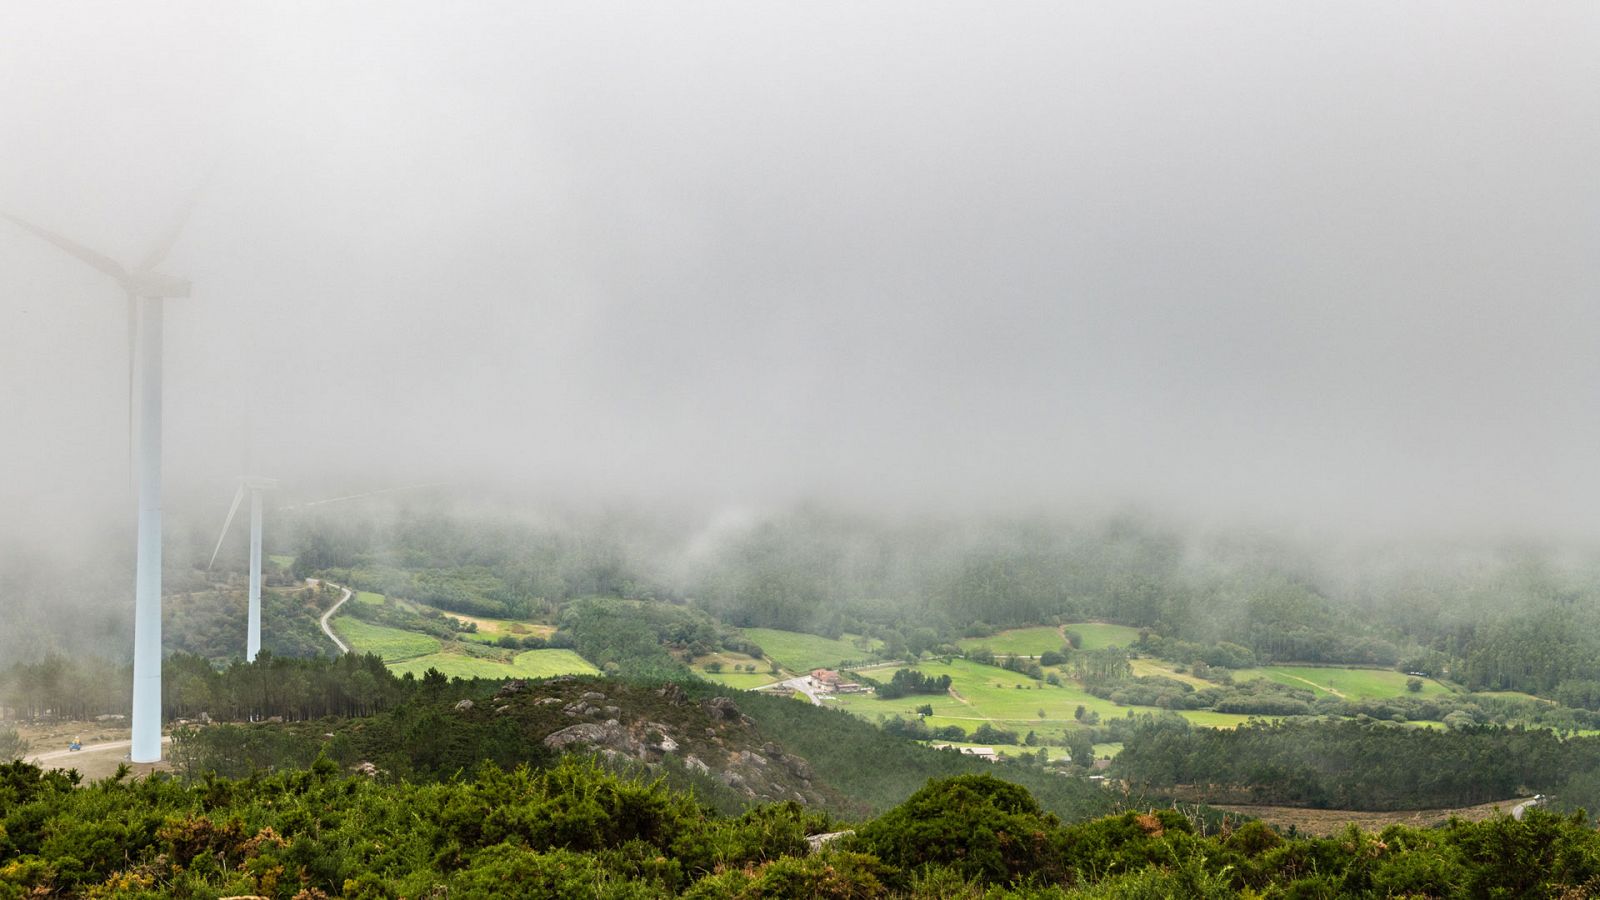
[(575, 829)]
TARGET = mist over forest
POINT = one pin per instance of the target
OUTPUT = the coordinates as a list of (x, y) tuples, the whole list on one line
[(1304, 285)]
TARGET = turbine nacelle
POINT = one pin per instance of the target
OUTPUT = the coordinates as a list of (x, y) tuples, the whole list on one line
[(156, 285), (248, 484)]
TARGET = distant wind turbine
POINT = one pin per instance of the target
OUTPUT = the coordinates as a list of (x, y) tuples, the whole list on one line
[(252, 641), (146, 289), (255, 486)]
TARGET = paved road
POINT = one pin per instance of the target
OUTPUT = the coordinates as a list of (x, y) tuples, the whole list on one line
[(329, 614), (1516, 811), (89, 748)]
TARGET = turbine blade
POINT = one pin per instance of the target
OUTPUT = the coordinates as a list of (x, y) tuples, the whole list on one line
[(99, 260), (158, 253), (238, 497)]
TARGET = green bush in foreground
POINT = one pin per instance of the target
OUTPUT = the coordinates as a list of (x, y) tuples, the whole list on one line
[(575, 829)]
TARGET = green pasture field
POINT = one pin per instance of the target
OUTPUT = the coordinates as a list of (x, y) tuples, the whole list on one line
[(1100, 635), (526, 664), (1160, 667), (1021, 641), (1513, 695), (1205, 718), (1104, 751), (1037, 639), (281, 560), (728, 676), (799, 652), (392, 644), (991, 694), (1344, 682), (986, 693), (744, 681), (367, 597)]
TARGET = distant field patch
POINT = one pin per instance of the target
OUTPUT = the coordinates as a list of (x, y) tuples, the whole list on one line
[(744, 681), (495, 628), (392, 644), (731, 665), (1162, 668), (1348, 683), (800, 652), (527, 664), (1005, 749), (550, 663), (1513, 695), (987, 694), (368, 598), (1205, 718), (1020, 641), (1099, 635)]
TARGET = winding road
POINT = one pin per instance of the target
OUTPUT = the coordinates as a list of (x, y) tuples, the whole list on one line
[(326, 629)]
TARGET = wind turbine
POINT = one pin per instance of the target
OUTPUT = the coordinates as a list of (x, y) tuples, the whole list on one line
[(146, 289), (254, 485)]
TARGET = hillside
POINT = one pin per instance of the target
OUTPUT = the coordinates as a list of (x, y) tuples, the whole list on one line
[(733, 751)]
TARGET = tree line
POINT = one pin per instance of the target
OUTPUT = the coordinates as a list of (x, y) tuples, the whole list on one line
[(271, 687), (1361, 765)]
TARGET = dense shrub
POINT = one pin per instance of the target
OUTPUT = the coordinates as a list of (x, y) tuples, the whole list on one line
[(576, 830), (978, 825)]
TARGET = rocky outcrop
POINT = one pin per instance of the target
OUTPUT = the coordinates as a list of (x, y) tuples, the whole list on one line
[(815, 842), (723, 709), (650, 727), (609, 735), (515, 686)]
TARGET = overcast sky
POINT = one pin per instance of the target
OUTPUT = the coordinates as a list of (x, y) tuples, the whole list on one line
[(1329, 263)]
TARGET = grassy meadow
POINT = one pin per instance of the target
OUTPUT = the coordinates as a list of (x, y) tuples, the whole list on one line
[(799, 652), (1035, 640), (1345, 683), (1163, 669), (526, 664), (730, 675), (393, 644), (1019, 641), (744, 681), (1100, 635), (1005, 699)]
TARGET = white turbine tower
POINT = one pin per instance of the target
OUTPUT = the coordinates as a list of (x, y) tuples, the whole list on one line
[(252, 641), (146, 289)]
